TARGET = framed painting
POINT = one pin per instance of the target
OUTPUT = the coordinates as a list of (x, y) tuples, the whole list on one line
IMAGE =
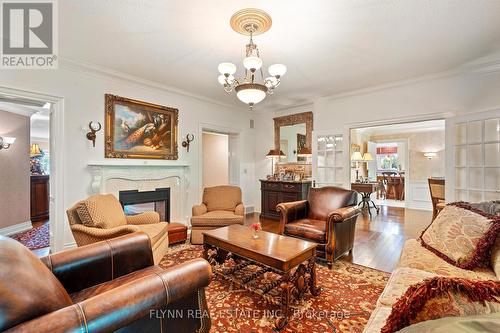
[(136, 129)]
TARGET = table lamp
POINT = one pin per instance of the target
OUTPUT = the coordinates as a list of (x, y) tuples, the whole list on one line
[(367, 157), (272, 154), (356, 157)]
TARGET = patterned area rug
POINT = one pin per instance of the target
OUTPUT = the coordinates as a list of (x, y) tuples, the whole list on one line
[(348, 297), (35, 238)]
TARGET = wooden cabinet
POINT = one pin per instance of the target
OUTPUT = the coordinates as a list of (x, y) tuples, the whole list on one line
[(274, 192), (39, 198)]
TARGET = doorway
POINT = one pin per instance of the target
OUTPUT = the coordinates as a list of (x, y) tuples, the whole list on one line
[(215, 159), (54, 109), (399, 158), (27, 172)]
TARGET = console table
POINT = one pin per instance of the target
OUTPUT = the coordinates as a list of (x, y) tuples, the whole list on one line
[(274, 192)]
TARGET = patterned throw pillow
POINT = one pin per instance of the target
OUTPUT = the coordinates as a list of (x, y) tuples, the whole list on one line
[(440, 297), (462, 236)]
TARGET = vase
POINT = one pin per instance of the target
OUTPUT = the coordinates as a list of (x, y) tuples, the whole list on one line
[(255, 234)]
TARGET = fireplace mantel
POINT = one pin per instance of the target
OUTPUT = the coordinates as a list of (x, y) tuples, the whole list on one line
[(132, 163), (113, 176)]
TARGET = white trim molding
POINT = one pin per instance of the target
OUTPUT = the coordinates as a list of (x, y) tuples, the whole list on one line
[(16, 228), (418, 195)]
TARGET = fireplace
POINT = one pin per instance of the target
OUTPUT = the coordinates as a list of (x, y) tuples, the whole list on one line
[(135, 202)]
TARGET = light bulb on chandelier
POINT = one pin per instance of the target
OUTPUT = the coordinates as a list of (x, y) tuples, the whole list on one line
[(249, 90)]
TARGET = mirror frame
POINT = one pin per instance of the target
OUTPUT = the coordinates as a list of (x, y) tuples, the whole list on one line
[(294, 119)]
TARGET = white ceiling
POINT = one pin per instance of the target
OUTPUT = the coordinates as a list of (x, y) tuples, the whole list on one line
[(329, 46)]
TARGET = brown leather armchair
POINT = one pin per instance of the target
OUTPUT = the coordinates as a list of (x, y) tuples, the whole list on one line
[(104, 287), (327, 217)]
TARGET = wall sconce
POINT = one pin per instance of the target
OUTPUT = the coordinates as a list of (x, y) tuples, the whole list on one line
[(187, 141), (430, 155), (94, 128), (6, 141), (35, 150)]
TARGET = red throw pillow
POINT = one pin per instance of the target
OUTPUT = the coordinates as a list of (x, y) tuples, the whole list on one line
[(440, 297), (462, 236)]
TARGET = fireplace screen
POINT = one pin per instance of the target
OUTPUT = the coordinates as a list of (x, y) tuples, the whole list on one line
[(135, 202)]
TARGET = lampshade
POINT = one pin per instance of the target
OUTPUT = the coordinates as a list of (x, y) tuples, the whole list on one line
[(252, 63), (35, 150), (275, 153), (304, 152), (367, 157), (227, 68), (277, 70), (356, 156), (251, 93)]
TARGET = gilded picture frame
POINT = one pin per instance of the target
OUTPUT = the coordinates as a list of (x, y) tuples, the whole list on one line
[(137, 129)]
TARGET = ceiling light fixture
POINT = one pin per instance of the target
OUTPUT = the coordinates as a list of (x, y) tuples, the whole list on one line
[(250, 22)]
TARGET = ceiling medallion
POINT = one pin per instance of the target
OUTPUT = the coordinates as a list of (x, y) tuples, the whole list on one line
[(250, 22)]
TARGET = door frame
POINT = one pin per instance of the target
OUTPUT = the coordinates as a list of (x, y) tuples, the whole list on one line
[(56, 139), (208, 127)]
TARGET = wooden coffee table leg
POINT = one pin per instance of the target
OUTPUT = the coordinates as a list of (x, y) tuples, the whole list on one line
[(286, 287), (315, 289)]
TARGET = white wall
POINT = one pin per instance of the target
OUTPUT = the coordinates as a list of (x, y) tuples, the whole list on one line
[(448, 95), (83, 92)]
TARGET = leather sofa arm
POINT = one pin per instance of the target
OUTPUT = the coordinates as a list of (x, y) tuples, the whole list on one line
[(144, 218), (343, 214), (125, 304), (290, 211), (199, 209), (239, 210), (89, 265)]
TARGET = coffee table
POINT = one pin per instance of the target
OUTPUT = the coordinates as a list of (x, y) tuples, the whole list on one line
[(292, 259)]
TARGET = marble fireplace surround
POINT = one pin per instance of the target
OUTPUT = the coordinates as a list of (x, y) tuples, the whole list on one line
[(112, 177)]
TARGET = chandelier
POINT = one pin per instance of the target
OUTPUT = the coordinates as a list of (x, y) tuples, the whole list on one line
[(249, 89)]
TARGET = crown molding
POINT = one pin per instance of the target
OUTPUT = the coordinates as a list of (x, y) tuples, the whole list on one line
[(466, 69), (100, 71)]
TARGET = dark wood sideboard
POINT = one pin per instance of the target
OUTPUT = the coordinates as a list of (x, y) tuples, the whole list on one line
[(274, 192), (39, 198)]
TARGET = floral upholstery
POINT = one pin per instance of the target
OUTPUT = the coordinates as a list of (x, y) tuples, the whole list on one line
[(416, 256), (418, 263), (439, 297), (459, 235), (377, 319), (399, 281)]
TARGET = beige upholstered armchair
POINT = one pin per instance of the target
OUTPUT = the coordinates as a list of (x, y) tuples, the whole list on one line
[(221, 207), (101, 217)]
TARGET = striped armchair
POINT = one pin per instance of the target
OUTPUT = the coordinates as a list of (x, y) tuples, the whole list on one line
[(101, 217)]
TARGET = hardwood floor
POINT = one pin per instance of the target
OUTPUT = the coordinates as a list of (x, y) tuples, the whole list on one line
[(378, 241)]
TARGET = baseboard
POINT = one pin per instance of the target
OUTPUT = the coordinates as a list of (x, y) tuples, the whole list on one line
[(15, 229), (69, 245)]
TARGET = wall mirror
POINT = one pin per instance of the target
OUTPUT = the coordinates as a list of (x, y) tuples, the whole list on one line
[(293, 135)]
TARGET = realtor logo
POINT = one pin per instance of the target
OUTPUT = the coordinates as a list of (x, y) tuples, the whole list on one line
[(28, 34)]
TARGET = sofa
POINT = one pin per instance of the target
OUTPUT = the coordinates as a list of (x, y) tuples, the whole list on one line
[(418, 263), (221, 206), (109, 286), (101, 217)]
